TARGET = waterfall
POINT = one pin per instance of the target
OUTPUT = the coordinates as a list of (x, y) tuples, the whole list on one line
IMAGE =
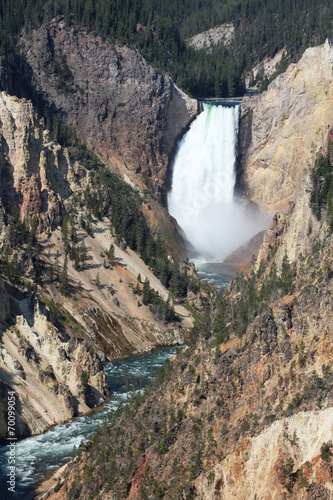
[(201, 198)]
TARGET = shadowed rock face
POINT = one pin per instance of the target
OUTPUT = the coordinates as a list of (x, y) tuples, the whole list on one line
[(44, 368), (283, 128), (121, 107), (4, 302)]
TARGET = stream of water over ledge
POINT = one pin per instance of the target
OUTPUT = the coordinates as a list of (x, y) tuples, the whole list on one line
[(37, 456), (214, 221)]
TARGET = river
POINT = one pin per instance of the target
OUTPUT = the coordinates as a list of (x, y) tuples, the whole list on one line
[(217, 274), (37, 456)]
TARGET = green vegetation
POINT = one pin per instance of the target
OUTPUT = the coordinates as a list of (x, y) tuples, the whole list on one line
[(162, 310), (322, 182), (115, 199), (287, 470), (108, 196), (262, 27), (287, 276), (326, 452), (249, 298), (186, 419), (21, 249)]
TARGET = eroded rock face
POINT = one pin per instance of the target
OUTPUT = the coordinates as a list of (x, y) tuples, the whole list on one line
[(300, 225), (57, 370), (4, 302), (259, 467), (34, 171), (289, 123), (52, 356), (208, 39), (249, 422), (120, 106)]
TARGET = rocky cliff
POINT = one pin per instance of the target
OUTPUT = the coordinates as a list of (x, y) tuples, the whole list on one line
[(120, 106), (284, 127), (33, 169), (54, 345), (248, 417), (54, 375), (223, 34), (246, 410)]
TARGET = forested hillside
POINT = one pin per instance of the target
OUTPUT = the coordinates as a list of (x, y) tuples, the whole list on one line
[(159, 31)]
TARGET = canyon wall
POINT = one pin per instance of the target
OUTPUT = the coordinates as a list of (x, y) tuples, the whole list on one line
[(246, 410), (54, 346), (206, 431), (248, 418), (121, 107), (34, 170), (284, 127)]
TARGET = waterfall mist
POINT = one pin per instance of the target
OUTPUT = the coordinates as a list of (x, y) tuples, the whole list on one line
[(201, 198)]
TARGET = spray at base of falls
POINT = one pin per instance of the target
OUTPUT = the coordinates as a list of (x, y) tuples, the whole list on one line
[(201, 198)]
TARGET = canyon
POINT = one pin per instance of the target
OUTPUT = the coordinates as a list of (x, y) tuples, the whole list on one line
[(54, 347), (245, 410), (123, 108), (256, 382)]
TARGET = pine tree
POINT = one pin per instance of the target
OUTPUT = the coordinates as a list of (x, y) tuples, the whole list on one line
[(64, 285), (98, 281), (146, 292), (64, 234), (330, 207), (76, 261), (286, 278), (51, 272), (57, 265), (111, 254), (137, 289), (83, 253), (74, 234)]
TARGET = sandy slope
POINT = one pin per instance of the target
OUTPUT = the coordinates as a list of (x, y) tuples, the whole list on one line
[(120, 299)]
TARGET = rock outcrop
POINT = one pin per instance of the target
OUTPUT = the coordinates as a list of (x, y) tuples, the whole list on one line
[(120, 106), (35, 171), (259, 468), (53, 346), (285, 127), (223, 34), (47, 369)]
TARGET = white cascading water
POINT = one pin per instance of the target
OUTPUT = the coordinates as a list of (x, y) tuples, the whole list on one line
[(201, 198)]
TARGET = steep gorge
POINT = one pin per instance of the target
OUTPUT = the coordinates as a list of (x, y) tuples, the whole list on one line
[(54, 345), (246, 409), (260, 371)]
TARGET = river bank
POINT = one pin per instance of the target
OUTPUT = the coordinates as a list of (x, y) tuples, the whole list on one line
[(39, 456)]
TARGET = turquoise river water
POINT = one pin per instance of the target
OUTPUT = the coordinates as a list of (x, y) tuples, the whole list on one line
[(37, 456)]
